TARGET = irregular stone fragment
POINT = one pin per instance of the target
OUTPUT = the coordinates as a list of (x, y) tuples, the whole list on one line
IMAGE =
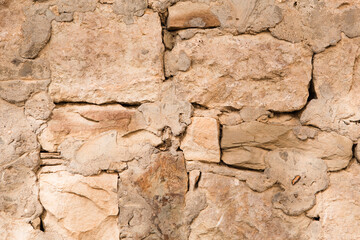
[(201, 141), (88, 205), (161, 5), (17, 91), (177, 63), (66, 6), (122, 72), (236, 212), (81, 122), (336, 83), (228, 71), (300, 175), (246, 144), (37, 32), (191, 15), (19, 193), (109, 152), (129, 9), (250, 16), (170, 112), (338, 208), (39, 106), (159, 200), (18, 144)]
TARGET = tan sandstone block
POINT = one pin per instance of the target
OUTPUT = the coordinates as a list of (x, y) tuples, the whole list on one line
[(201, 141), (240, 71), (106, 60), (79, 207)]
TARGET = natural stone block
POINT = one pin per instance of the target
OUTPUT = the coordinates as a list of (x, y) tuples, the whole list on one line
[(201, 141)]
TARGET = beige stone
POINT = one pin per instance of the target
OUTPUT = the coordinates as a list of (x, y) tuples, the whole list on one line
[(18, 143), (336, 83), (246, 144), (129, 9), (82, 122), (39, 106), (80, 207), (338, 207), (235, 212), (201, 141), (19, 193), (122, 72), (17, 91), (228, 71), (191, 15)]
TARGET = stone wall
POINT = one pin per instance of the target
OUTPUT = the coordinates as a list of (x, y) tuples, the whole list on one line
[(171, 119)]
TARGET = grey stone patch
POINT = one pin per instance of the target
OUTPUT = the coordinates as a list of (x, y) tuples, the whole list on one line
[(129, 9), (70, 6)]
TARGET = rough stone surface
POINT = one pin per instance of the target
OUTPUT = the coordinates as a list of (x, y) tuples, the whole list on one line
[(179, 119), (338, 207), (191, 15), (201, 141), (336, 83), (88, 206), (246, 144), (123, 71), (231, 74)]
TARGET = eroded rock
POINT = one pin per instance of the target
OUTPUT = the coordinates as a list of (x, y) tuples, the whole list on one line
[(201, 141), (129, 9), (228, 71), (246, 144), (89, 205), (123, 71)]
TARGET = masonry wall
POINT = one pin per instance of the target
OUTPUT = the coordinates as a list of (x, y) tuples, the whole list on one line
[(168, 119)]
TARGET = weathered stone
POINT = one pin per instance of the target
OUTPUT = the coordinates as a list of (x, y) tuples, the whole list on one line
[(19, 193), (246, 144), (201, 141), (18, 144), (336, 83), (318, 24), (89, 205), (65, 6), (36, 31), (300, 175), (181, 62), (17, 91), (123, 71), (170, 112), (39, 106), (82, 122), (338, 208), (110, 152), (228, 71), (161, 5), (236, 212), (191, 15), (156, 208), (250, 16), (129, 9)]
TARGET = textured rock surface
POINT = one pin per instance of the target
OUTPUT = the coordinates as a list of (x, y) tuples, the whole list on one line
[(232, 74), (122, 72), (179, 119), (80, 207), (202, 140)]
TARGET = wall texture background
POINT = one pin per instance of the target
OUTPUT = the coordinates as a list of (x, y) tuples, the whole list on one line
[(168, 119)]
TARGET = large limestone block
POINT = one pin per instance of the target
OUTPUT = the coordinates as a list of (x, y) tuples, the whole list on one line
[(336, 83), (78, 207), (82, 122), (18, 143), (338, 208), (106, 60), (246, 144), (317, 24), (240, 71), (235, 212), (201, 141)]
